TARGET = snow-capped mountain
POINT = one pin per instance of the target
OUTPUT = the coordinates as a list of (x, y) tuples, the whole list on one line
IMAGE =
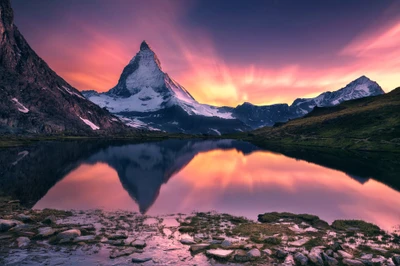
[(147, 97), (359, 88), (34, 99)]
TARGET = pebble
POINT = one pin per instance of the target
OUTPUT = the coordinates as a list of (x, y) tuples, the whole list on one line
[(69, 234), (46, 231)]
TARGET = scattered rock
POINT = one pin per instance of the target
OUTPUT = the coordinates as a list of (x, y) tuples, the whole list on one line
[(140, 260), (118, 242), (351, 262), (199, 247), (280, 253), (241, 256), (125, 252), (329, 260), (367, 257), (299, 242), (378, 260), (336, 246), (315, 257), (226, 244), (23, 241), (396, 259), (89, 238), (267, 252), (5, 225), (344, 254), (254, 253), (219, 253), (117, 236), (300, 259), (187, 241), (69, 234), (138, 244), (50, 220), (289, 261), (218, 238), (46, 232), (24, 218)]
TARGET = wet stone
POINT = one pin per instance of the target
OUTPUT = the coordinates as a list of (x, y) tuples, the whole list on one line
[(6, 225), (219, 253), (69, 234), (23, 241), (300, 259), (46, 231), (140, 260), (125, 252), (138, 244), (199, 247), (344, 254), (187, 241), (329, 260), (254, 253), (117, 236), (351, 262), (50, 220)]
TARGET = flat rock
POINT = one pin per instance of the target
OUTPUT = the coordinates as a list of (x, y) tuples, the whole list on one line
[(23, 241), (218, 238), (219, 253), (199, 247), (351, 262), (46, 231), (299, 242), (140, 260), (125, 252), (69, 234), (6, 225), (300, 259), (89, 238), (187, 241), (344, 254), (138, 243), (367, 257), (118, 242)]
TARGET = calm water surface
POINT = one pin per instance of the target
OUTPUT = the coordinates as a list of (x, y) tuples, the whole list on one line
[(184, 176)]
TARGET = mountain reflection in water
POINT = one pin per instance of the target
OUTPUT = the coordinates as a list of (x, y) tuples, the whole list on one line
[(185, 175)]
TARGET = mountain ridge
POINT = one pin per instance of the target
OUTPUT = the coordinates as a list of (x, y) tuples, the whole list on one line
[(147, 97), (35, 100)]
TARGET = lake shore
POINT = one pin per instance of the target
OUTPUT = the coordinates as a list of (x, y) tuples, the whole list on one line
[(119, 237)]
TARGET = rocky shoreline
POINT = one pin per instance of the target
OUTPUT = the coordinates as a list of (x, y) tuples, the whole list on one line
[(96, 237)]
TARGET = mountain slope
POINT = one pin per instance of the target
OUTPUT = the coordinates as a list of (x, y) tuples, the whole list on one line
[(371, 123), (35, 100), (147, 97)]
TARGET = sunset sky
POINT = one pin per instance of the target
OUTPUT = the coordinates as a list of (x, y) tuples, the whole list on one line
[(222, 52)]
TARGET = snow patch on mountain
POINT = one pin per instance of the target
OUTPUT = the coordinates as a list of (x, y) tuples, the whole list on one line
[(20, 106), (89, 123)]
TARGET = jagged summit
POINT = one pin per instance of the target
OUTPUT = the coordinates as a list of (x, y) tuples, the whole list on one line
[(144, 46)]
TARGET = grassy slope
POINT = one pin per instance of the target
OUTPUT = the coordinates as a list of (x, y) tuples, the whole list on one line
[(371, 123)]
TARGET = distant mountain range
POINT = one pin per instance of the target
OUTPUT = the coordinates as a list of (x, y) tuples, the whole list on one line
[(147, 97), (34, 99)]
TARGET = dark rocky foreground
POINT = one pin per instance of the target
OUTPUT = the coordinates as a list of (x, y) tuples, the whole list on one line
[(96, 237)]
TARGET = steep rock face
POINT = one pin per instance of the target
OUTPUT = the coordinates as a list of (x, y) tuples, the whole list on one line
[(35, 100)]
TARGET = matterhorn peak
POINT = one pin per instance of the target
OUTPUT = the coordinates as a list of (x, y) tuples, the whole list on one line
[(144, 46)]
